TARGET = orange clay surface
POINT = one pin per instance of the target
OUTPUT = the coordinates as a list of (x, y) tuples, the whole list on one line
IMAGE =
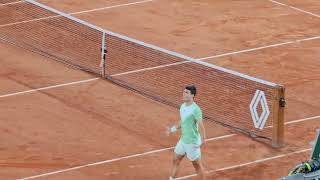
[(70, 126)]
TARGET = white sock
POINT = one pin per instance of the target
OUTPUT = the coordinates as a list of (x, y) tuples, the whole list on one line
[(171, 178)]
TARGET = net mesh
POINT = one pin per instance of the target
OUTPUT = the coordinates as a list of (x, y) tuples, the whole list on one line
[(4, 2), (148, 70), (224, 98), (49, 34)]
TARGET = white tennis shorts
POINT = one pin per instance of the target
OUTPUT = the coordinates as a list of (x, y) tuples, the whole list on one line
[(193, 153)]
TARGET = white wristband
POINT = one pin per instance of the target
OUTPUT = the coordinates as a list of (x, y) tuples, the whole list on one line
[(173, 129)]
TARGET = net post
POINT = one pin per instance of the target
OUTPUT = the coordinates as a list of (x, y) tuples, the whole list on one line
[(278, 117), (103, 55)]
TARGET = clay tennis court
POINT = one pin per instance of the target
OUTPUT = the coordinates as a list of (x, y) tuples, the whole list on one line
[(61, 123)]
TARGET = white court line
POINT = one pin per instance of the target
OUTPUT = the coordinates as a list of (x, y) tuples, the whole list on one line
[(173, 64), (143, 154), (302, 120), (109, 7), (32, 20), (297, 121), (118, 159), (292, 7), (79, 12), (260, 48), (262, 160), (150, 68), (165, 149), (249, 163), (49, 87), (11, 3)]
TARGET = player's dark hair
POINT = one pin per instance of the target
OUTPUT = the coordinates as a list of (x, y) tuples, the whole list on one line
[(192, 89)]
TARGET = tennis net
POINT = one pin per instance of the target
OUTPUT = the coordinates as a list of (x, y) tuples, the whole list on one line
[(237, 101)]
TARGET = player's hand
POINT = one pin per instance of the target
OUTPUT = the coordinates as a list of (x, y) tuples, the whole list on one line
[(168, 131), (203, 142)]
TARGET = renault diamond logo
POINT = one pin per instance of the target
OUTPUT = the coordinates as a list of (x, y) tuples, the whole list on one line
[(259, 121)]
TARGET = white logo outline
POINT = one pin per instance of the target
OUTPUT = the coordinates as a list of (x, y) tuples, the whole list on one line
[(259, 97)]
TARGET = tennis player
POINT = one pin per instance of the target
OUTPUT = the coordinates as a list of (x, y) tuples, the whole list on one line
[(191, 138)]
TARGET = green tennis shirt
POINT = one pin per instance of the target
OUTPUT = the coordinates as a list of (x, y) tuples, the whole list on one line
[(190, 115)]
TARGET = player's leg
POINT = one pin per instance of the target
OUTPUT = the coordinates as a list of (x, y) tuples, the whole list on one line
[(175, 165), (193, 152), (179, 153), (197, 164)]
